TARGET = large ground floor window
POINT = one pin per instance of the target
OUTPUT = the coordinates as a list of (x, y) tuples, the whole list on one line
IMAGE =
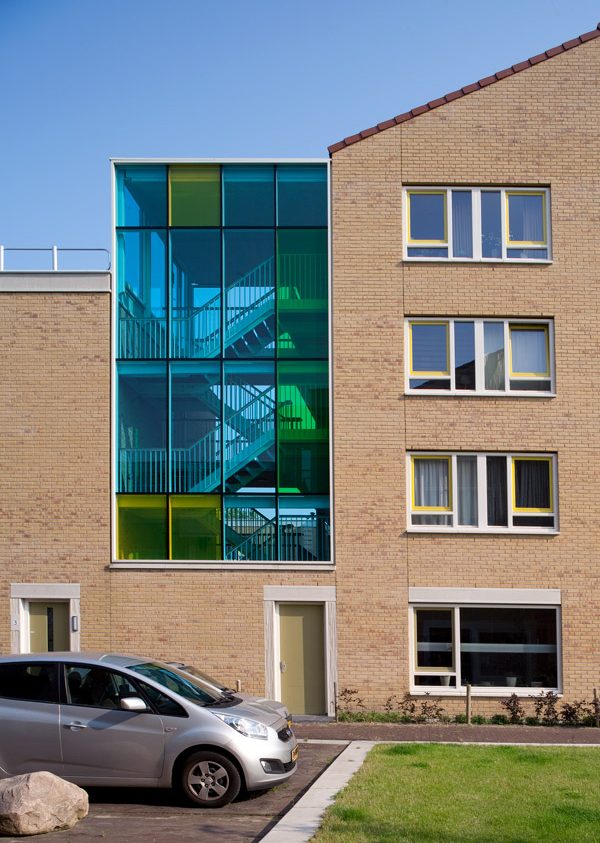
[(487, 647)]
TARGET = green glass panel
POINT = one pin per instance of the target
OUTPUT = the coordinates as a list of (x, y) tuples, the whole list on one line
[(195, 195), (302, 293), (250, 527), (196, 527), (141, 527), (248, 195), (302, 194), (303, 427), (141, 196)]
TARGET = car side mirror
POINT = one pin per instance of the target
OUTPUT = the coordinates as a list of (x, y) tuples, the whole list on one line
[(133, 704)]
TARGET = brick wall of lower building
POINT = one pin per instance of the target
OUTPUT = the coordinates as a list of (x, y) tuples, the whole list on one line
[(539, 127)]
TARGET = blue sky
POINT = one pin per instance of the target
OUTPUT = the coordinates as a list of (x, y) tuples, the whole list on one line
[(86, 80)]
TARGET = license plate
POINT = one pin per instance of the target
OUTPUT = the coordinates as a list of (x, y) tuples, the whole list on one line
[(295, 752)]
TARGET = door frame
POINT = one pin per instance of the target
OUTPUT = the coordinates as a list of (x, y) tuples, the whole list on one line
[(22, 594), (274, 595)]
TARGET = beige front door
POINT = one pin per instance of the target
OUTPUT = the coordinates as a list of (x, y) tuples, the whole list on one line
[(302, 657), (48, 627)]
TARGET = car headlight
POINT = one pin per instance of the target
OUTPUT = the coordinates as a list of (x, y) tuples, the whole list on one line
[(249, 728)]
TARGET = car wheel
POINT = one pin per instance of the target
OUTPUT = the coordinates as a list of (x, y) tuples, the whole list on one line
[(209, 780)]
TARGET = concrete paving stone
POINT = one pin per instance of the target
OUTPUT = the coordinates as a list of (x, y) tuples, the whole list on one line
[(135, 815)]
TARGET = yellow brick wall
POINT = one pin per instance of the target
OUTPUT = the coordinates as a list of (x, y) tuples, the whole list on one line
[(537, 127)]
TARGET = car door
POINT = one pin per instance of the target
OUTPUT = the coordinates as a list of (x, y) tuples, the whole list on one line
[(29, 717), (101, 743)]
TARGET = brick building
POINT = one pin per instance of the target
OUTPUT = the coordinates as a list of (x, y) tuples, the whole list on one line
[(457, 336)]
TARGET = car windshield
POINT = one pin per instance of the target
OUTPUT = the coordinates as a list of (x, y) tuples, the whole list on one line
[(204, 677), (189, 687)]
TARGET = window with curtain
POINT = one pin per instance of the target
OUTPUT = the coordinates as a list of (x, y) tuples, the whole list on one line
[(517, 492), (477, 223), (458, 355)]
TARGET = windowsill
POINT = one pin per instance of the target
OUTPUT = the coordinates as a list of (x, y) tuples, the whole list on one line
[(222, 565), (501, 691), (472, 393), (481, 531), (494, 261)]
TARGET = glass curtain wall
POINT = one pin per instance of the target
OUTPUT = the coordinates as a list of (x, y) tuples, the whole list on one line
[(222, 417)]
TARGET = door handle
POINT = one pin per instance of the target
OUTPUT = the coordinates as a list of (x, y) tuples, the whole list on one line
[(283, 666), (75, 727)]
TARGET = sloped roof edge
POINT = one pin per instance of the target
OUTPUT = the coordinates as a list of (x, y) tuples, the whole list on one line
[(468, 89)]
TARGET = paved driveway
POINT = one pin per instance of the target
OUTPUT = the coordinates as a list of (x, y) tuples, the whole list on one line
[(156, 816)]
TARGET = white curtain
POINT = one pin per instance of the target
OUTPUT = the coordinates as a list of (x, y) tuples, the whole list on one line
[(467, 491), (431, 482), (529, 351)]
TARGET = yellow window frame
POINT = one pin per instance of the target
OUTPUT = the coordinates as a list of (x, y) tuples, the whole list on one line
[(409, 194), (448, 460), (518, 326), (510, 244), (529, 509), (436, 671), (425, 374)]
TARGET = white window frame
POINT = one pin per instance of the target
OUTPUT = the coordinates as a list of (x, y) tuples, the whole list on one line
[(544, 599), (480, 389), (476, 224), (452, 509)]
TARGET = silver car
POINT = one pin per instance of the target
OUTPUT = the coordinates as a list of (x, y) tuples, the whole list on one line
[(105, 719)]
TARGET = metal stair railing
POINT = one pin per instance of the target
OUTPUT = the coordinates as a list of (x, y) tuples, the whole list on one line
[(259, 545)]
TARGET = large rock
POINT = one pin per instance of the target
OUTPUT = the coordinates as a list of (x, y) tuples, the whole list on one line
[(39, 802)]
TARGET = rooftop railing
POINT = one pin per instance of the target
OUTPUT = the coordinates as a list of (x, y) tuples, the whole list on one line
[(53, 259)]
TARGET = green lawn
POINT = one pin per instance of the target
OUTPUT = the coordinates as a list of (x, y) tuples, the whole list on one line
[(441, 793)]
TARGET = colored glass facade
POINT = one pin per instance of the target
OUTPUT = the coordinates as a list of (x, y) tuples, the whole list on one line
[(222, 399)]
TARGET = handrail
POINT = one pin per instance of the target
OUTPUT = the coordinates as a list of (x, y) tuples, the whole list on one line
[(54, 251)]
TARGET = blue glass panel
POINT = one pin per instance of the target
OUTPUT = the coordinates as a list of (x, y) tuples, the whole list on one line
[(304, 528), (462, 224), (248, 195), (249, 293), (429, 348), (464, 355), (525, 218), (420, 252), (491, 224), (250, 528), (302, 195), (141, 427), (195, 427), (427, 216), (141, 196), (249, 426), (141, 282), (195, 292), (528, 254), (493, 347)]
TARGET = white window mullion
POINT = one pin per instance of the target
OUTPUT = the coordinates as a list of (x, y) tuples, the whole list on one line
[(479, 356), (476, 211)]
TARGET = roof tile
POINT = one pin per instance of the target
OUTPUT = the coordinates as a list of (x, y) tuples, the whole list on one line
[(468, 89)]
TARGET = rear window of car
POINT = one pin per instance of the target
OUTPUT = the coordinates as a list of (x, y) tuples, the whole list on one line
[(29, 681)]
